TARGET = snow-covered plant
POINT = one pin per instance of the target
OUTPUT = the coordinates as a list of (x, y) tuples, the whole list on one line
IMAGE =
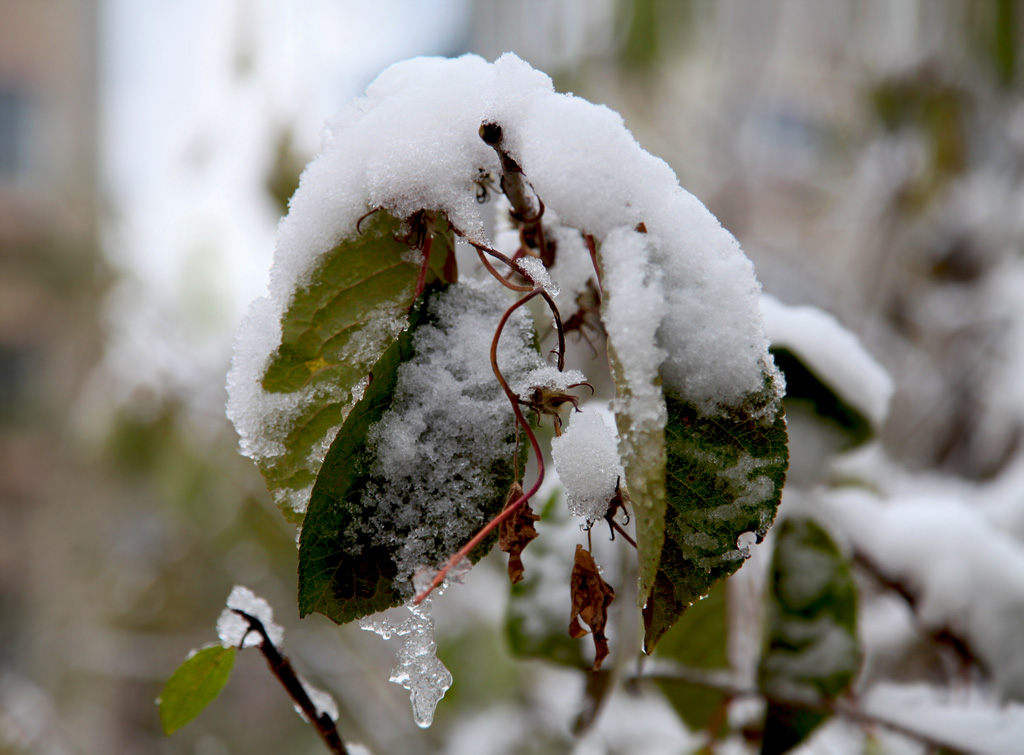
[(387, 396), (464, 234)]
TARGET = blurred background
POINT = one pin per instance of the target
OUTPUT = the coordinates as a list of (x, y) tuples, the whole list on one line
[(869, 156)]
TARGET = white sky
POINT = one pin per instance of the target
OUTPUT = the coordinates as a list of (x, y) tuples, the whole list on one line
[(186, 138)]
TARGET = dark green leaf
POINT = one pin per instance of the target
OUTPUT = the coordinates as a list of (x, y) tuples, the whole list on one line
[(812, 654), (699, 640), (723, 478), (194, 686), (348, 580), (334, 330), (804, 386), (345, 570)]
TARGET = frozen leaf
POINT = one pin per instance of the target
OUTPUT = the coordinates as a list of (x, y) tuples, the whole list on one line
[(724, 478), (812, 654), (422, 463), (194, 686), (591, 596), (288, 406), (345, 581), (516, 532)]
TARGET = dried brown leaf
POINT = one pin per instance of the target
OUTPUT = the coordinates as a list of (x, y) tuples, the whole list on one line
[(591, 596), (516, 532)]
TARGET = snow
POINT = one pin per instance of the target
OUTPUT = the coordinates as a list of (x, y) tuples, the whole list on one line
[(683, 303), (538, 274), (547, 376), (232, 628), (586, 458), (449, 424), (965, 574), (833, 354), (323, 702), (976, 726)]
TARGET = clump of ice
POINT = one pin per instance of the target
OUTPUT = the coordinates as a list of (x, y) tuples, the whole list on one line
[(418, 669), (586, 458), (232, 628)]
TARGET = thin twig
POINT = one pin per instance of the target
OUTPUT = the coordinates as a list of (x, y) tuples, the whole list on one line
[(281, 668)]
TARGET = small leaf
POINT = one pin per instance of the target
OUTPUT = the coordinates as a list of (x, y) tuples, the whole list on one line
[(516, 532), (194, 686), (591, 596), (724, 478), (812, 654)]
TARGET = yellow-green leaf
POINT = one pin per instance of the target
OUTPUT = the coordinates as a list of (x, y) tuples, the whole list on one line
[(194, 686)]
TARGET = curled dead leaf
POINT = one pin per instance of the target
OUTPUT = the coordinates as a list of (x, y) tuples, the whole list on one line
[(516, 532), (591, 596)]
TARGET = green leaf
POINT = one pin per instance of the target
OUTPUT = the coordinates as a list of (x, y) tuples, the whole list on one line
[(699, 641), (803, 386), (724, 478), (345, 570), (642, 447), (194, 686), (333, 331), (811, 654), (348, 580)]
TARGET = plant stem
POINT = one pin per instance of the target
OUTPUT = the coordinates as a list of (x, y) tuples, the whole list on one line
[(281, 668)]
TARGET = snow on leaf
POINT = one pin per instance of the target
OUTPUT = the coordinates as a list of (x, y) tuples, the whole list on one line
[(194, 686), (287, 400), (828, 368), (424, 461), (586, 459), (812, 654), (591, 596), (724, 478), (347, 580)]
